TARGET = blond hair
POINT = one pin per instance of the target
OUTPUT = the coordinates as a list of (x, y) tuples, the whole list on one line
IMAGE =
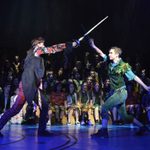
[(117, 50)]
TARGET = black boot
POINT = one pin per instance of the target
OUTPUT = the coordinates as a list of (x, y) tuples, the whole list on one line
[(103, 132), (142, 130), (45, 133), (1, 135)]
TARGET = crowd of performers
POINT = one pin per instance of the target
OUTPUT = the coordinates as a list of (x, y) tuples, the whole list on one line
[(75, 90)]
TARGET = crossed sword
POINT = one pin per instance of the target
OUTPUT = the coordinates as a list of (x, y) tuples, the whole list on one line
[(88, 32)]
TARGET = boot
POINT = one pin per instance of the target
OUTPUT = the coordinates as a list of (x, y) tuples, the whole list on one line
[(103, 132), (1, 135), (45, 133), (142, 130)]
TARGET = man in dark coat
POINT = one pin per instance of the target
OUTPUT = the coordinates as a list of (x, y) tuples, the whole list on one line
[(30, 82)]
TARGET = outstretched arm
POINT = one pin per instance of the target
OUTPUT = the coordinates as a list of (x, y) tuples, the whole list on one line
[(60, 47), (92, 44), (55, 48), (131, 76), (138, 80)]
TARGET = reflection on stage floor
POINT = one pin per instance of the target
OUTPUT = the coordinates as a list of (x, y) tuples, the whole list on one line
[(73, 137)]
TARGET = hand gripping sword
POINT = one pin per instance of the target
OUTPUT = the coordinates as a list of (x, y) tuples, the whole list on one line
[(88, 32)]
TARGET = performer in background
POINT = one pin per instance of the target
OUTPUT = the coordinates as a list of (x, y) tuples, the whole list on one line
[(117, 68), (30, 82)]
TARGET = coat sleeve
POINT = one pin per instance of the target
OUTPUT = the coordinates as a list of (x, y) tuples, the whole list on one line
[(58, 47)]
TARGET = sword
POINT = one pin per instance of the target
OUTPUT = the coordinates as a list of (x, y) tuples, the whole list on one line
[(88, 32), (84, 30)]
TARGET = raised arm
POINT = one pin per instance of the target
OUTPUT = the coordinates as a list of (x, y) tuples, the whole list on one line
[(99, 51)]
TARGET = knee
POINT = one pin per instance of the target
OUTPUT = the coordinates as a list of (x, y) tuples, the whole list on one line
[(127, 118)]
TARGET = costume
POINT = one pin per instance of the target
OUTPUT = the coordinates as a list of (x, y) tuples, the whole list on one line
[(116, 72), (30, 81)]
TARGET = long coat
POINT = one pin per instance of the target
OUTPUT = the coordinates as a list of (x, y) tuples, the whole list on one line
[(34, 69), (33, 72)]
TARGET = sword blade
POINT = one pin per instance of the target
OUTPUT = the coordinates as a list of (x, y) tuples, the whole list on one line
[(88, 32)]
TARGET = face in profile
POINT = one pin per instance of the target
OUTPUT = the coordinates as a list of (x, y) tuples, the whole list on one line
[(40, 45), (112, 54)]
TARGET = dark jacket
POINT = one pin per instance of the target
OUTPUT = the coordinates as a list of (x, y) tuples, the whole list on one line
[(33, 71)]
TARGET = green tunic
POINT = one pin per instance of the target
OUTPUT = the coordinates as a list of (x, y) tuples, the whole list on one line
[(116, 74)]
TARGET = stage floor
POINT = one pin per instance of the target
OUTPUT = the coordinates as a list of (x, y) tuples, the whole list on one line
[(24, 137)]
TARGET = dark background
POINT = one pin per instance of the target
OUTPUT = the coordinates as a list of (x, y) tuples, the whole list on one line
[(128, 25)]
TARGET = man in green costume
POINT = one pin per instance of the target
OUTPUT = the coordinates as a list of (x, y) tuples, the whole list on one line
[(117, 68)]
